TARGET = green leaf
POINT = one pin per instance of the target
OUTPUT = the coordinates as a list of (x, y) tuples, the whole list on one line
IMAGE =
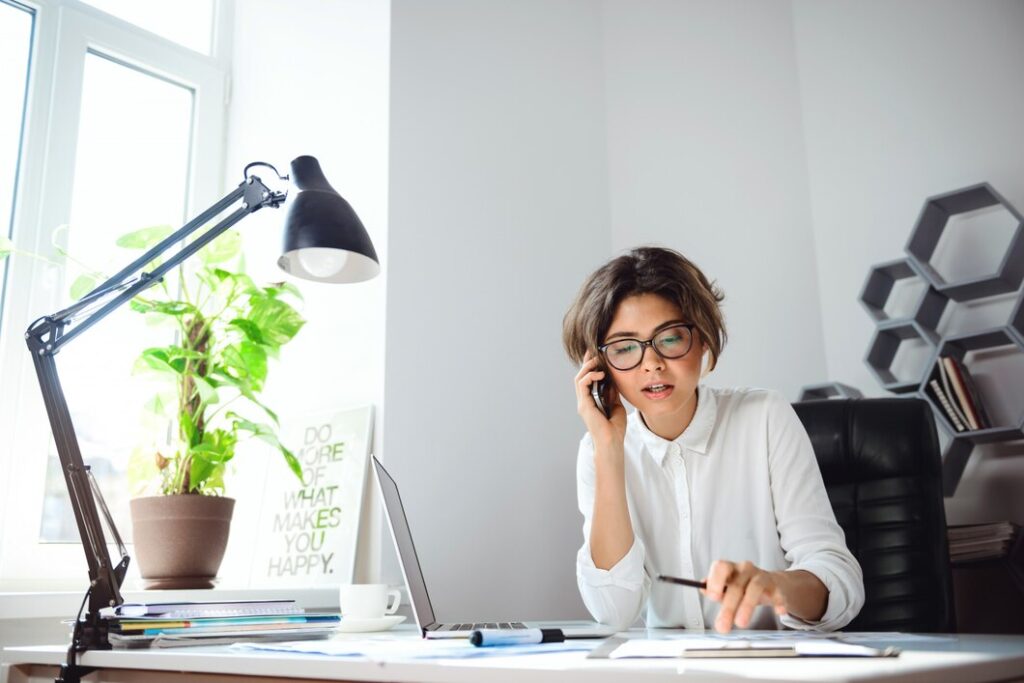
[(243, 388), (250, 329), (144, 238), (156, 405), (209, 459), (266, 434), (158, 359), (6, 247), (284, 288), (82, 285), (171, 308), (188, 429), (249, 361), (141, 470), (278, 322), (222, 249), (207, 392)]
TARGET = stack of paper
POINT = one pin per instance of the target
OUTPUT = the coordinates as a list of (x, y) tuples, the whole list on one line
[(980, 541), (192, 623)]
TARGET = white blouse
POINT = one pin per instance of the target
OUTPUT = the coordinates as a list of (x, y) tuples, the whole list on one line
[(741, 483)]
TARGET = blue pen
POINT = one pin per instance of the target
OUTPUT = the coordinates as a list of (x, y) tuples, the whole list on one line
[(488, 637)]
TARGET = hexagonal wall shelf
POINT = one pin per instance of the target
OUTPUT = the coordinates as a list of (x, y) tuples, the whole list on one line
[(1017, 318), (923, 323), (958, 347), (887, 341), (880, 284), (814, 392), (935, 216), (930, 309)]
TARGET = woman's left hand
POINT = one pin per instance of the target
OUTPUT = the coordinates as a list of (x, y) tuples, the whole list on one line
[(741, 587)]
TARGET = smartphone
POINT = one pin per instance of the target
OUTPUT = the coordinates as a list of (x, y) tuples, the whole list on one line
[(599, 390)]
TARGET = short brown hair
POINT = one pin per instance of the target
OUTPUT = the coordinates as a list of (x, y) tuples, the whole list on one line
[(645, 270)]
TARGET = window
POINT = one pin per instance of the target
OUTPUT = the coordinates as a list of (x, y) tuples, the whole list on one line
[(133, 135), (188, 22), (15, 47), (135, 140)]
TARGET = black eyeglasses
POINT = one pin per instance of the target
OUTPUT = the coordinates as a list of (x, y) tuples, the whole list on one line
[(626, 354)]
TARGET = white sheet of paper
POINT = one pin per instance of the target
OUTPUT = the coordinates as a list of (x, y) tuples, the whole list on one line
[(644, 648), (811, 647)]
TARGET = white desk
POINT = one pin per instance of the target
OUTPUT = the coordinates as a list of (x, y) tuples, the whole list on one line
[(960, 659)]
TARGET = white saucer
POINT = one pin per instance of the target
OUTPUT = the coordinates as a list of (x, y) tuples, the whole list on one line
[(350, 625)]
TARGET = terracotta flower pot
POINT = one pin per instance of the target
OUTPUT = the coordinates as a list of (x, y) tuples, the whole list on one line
[(180, 540)]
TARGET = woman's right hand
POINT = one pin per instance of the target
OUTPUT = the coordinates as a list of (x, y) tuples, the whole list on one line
[(605, 431)]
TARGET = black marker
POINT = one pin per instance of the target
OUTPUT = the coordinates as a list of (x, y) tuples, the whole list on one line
[(683, 582)]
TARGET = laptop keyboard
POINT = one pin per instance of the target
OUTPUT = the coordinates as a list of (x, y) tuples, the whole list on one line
[(478, 626)]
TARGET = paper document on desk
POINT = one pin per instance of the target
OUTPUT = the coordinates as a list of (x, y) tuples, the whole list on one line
[(403, 649), (714, 647)]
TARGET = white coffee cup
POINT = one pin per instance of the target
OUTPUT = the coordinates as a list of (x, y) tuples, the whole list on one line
[(367, 600)]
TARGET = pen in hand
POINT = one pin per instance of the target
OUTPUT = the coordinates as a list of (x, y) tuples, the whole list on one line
[(683, 582)]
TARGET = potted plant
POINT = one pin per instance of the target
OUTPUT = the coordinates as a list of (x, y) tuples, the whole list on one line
[(227, 329)]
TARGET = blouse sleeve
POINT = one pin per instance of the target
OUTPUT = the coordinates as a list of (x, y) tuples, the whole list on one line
[(613, 596), (809, 534)]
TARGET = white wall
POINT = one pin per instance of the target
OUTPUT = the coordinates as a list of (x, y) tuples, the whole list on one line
[(901, 101), (498, 210), (310, 77), (786, 147), (706, 155)]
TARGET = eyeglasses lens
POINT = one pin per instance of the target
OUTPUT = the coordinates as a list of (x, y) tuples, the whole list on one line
[(628, 353)]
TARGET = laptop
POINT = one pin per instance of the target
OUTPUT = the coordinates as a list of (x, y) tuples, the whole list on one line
[(422, 609)]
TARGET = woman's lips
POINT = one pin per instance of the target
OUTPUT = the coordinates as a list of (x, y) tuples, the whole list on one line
[(659, 395)]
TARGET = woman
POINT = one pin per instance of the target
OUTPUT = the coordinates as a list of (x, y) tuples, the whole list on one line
[(718, 483)]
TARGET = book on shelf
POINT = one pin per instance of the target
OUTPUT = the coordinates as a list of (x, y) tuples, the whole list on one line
[(972, 393), (960, 393), (986, 541), (965, 390), (126, 641), (189, 610), (154, 626), (948, 389), (947, 406), (187, 623)]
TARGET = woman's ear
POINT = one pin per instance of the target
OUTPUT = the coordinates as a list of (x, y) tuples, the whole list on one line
[(707, 362)]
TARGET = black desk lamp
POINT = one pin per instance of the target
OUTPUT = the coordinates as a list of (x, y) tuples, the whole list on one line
[(324, 241)]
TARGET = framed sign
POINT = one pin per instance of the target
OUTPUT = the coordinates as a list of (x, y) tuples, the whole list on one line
[(307, 532)]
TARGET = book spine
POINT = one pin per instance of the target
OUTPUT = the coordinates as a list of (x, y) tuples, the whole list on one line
[(944, 402), (972, 392), (961, 393), (946, 387)]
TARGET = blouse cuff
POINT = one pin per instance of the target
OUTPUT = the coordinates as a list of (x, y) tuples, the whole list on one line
[(834, 617), (627, 573)]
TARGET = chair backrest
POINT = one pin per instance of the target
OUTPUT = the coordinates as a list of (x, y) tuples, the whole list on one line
[(883, 472)]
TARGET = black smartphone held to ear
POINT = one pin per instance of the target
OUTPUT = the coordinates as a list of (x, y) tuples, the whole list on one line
[(599, 390)]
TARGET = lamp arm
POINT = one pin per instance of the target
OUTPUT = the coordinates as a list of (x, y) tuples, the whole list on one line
[(47, 335)]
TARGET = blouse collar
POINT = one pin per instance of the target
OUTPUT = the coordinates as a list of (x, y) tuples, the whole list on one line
[(696, 435)]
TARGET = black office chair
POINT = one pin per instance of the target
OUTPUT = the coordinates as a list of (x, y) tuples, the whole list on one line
[(883, 472)]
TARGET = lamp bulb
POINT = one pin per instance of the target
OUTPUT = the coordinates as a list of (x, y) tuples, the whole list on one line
[(322, 262)]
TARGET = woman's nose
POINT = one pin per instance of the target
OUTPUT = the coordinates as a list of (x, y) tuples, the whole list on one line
[(651, 359)]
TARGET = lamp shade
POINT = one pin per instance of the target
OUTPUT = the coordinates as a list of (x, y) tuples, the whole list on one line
[(324, 240)]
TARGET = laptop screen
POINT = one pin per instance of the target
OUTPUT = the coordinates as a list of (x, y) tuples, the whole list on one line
[(421, 607)]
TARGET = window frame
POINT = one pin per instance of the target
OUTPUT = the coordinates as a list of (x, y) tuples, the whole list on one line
[(65, 32)]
